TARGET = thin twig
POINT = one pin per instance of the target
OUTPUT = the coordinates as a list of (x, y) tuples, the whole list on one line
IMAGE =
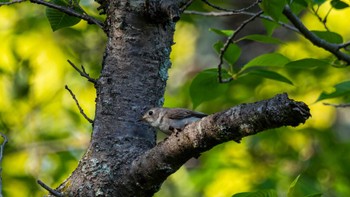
[(223, 14), (232, 10), (1, 156), (49, 189), (330, 47), (323, 21), (82, 72), (184, 7), (2, 145), (71, 12), (79, 107), (344, 45), (337, 105), (11, 2), (326, 18), (227, 43)]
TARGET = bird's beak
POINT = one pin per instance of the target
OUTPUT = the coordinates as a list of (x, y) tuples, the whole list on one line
[(143, 118)]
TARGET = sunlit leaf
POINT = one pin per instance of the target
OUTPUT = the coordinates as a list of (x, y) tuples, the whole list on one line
[(222, 32), (232, 53), (341, 89), (59, 19), (269, 59), (270, 75), (273, 8), (260, 193), (262, 39), (337, 4), (307, 63), (292, 187), (329, 36), (205, 87)]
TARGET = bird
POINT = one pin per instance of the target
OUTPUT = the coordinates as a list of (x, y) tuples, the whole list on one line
[(169, 120)]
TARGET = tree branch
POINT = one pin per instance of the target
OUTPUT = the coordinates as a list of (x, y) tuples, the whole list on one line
[(231, 10), (332, 48), (79, 107), (227, 43), (344, 45), (49, 189), (71, 12), (184, 7), (153, 167), (323, 21), (11, 2), (1, 157), (82, 72), (222, 14)]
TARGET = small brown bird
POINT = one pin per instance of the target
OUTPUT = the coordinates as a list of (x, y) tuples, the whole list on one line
[(168, 120)]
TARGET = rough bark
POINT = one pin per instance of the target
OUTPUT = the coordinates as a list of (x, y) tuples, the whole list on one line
[(123, 158)]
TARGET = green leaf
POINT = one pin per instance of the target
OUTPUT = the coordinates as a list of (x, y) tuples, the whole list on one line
[(269, 59), (329, 36), (270, 26), (59, 19), (337, 4), (292, 187), (222, 32), (315, 195), (205, 86), (298, 6), (273, 8), (270, 75), (303, 3), (307, 63), (21, 81), (232, 53), (319, 2), (262, 39), (341, 89), (260, 193)]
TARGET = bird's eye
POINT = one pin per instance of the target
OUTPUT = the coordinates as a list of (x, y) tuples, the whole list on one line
[(150, 113)]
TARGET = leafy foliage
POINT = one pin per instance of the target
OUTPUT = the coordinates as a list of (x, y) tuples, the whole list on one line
[(341, 89), (262, 38), (307, 63), (261, 193), (269, 59), (48, 136), (331, 37), (58, 19), (270, 75), (273, 8), (232, 53), (338, 4), (205, 87)]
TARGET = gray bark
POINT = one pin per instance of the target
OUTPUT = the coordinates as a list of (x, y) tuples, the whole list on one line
[(123, 158)]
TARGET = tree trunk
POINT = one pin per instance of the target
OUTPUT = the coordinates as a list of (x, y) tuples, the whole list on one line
[(132, 80), (122, 158)]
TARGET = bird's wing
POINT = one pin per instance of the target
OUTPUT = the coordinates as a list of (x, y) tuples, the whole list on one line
[(179, 113)]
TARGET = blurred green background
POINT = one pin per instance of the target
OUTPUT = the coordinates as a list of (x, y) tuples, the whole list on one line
[(47, 135)]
